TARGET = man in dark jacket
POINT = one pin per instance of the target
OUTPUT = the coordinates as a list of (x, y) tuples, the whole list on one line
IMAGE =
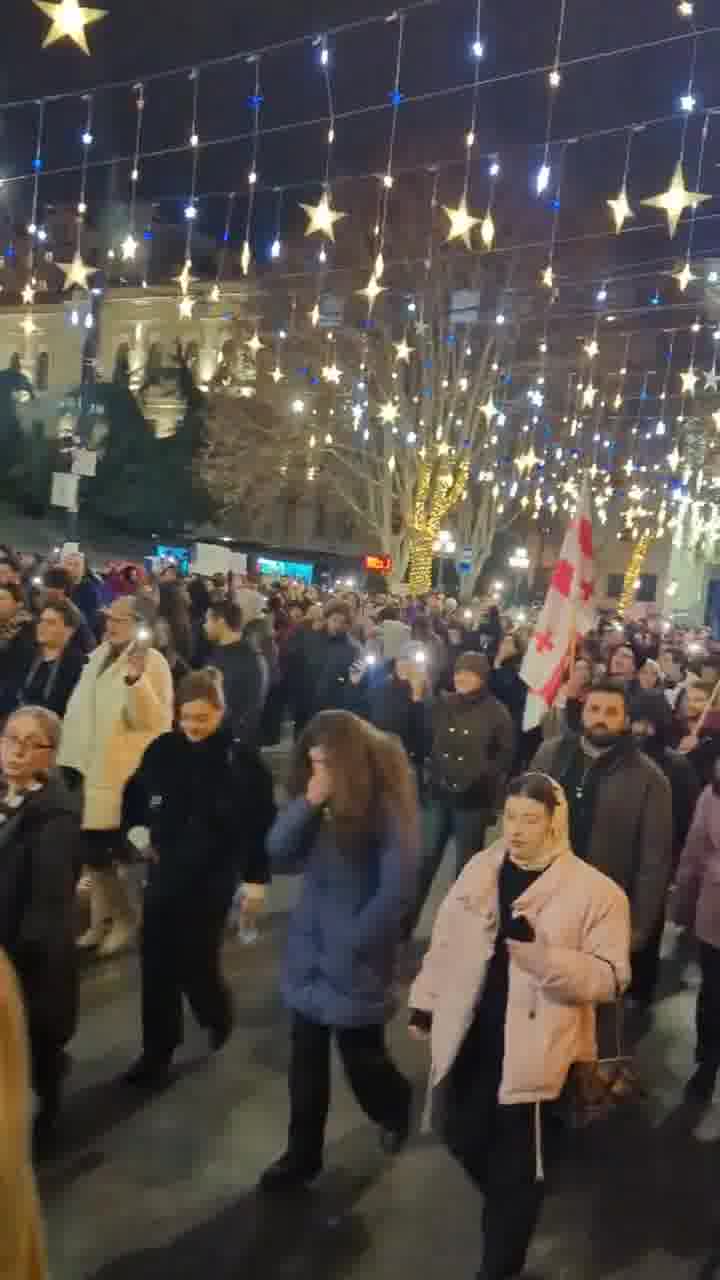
[(17, 646), (652, 726), (58, 588), (620, 804), (473, 744), (241, 670), (85, 591), (398, 703), (339, 653)]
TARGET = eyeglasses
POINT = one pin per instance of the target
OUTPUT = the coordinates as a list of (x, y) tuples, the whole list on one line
[(25, 746)]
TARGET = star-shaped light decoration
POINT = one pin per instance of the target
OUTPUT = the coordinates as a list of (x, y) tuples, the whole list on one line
[(674, 459), (185, 278), (461, 223), (402, 350), (76, 272), (28, 294), (689, 381), (676, 200), (487, 230), (128, 248), (315, 315), (684, 276), (28, 326), (322, 217), (245, 258), (254, 344), (629, 467), (548, 277), (214, 294), (621, 209), (591, 348), (185, 307), (372, 291), (389, 413), (712, 377), (589, 395), (68, 19), (277, 374), (618, 401), (331, 373), (489, 409)]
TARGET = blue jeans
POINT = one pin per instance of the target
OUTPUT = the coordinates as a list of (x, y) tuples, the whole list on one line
[(442, 820)]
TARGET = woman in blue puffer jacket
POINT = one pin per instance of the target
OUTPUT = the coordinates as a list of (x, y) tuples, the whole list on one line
[(352, 829)]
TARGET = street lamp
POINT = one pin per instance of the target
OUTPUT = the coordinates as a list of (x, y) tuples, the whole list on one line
[(443, 546)]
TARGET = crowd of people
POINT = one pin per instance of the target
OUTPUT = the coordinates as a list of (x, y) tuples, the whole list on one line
[(135, 711)]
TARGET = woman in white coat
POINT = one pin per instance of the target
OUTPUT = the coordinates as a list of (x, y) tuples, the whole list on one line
[(527, 942), (122, 702)]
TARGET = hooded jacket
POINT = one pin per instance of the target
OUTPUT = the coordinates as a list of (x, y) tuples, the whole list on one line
[(582, 919)]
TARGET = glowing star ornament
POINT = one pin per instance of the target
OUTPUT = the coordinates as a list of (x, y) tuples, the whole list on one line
[(711, 378), (277, 374), (75, 272), (487, 231), (689, 381), (548, 277), (674, 459), (322, 217), (589, 395), (185, 308), (128, 248), (389, 413), (591, 349), (28, 326), (489, 409), (621, 209), (254, 344), (69, 20), (331, 373), (403, 351), (28, 295), (315, 315), (684, 277), (214, 294), (461, 223), (676, 200), (372, 291), (245, 258)]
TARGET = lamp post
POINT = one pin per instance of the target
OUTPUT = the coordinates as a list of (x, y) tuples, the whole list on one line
[(443, 546), (519, 563)]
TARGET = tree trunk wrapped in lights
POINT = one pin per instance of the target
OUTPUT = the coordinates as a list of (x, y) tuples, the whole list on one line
[(632, 573)]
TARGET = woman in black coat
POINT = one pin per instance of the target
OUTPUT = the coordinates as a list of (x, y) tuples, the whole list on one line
[(201, 806), (40, 853), (57, 664)]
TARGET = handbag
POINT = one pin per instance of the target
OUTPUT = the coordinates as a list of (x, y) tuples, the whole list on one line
[(594, 1090)]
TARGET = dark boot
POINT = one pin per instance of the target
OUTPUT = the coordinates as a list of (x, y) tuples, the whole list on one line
[(701, 1087), (149, 1073), (291, 1172)]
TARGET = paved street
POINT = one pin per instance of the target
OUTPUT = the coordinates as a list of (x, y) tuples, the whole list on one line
[(165, 1188)]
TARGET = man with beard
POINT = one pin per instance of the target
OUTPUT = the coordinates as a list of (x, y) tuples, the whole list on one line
[(620, 804), (652, 726)]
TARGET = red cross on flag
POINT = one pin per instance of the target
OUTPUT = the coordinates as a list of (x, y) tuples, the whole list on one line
[(567, 614)]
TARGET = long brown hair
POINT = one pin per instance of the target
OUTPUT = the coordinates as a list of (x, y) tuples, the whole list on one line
[(374, 791)]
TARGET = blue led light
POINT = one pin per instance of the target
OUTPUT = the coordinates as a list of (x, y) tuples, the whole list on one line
[(37, 163), (255, 100), (396, 97)]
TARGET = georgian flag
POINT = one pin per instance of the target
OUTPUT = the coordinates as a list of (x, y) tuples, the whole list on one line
[(567, 615)]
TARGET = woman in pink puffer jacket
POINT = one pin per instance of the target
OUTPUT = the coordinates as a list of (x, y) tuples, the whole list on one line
[(528, 941)]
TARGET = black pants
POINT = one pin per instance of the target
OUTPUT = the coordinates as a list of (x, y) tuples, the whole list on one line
[(646, 966), (383, 1093), (441, 820), (180, 956), (708, 1007), (497, 1147)]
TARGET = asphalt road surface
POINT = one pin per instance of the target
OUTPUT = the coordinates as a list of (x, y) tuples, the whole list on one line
[(164, 1188)]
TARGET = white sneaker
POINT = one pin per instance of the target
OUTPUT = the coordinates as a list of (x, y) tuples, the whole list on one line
[(92, 937), (120, 938)]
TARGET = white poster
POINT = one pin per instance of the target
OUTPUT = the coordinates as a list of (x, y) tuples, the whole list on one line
[(210, 559), (64, 492), (84, 462)]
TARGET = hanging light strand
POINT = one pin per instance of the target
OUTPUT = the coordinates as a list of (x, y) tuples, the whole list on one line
[(472, 132), (135, 171), (554, 83), (37, 167), (396, 98), (191, 209), (222, 259), (255, 102), (87, 140), (698, 185)]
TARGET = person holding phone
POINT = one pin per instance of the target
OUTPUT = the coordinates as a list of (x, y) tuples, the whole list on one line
[(121, 703), (528, 941)]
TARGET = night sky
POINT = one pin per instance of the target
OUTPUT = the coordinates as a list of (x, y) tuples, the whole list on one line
[(142, 36)]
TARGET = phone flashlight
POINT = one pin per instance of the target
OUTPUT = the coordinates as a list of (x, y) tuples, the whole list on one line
[(468, 614), (37, 582), (143, 635), (420, 658), (370, 659)]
